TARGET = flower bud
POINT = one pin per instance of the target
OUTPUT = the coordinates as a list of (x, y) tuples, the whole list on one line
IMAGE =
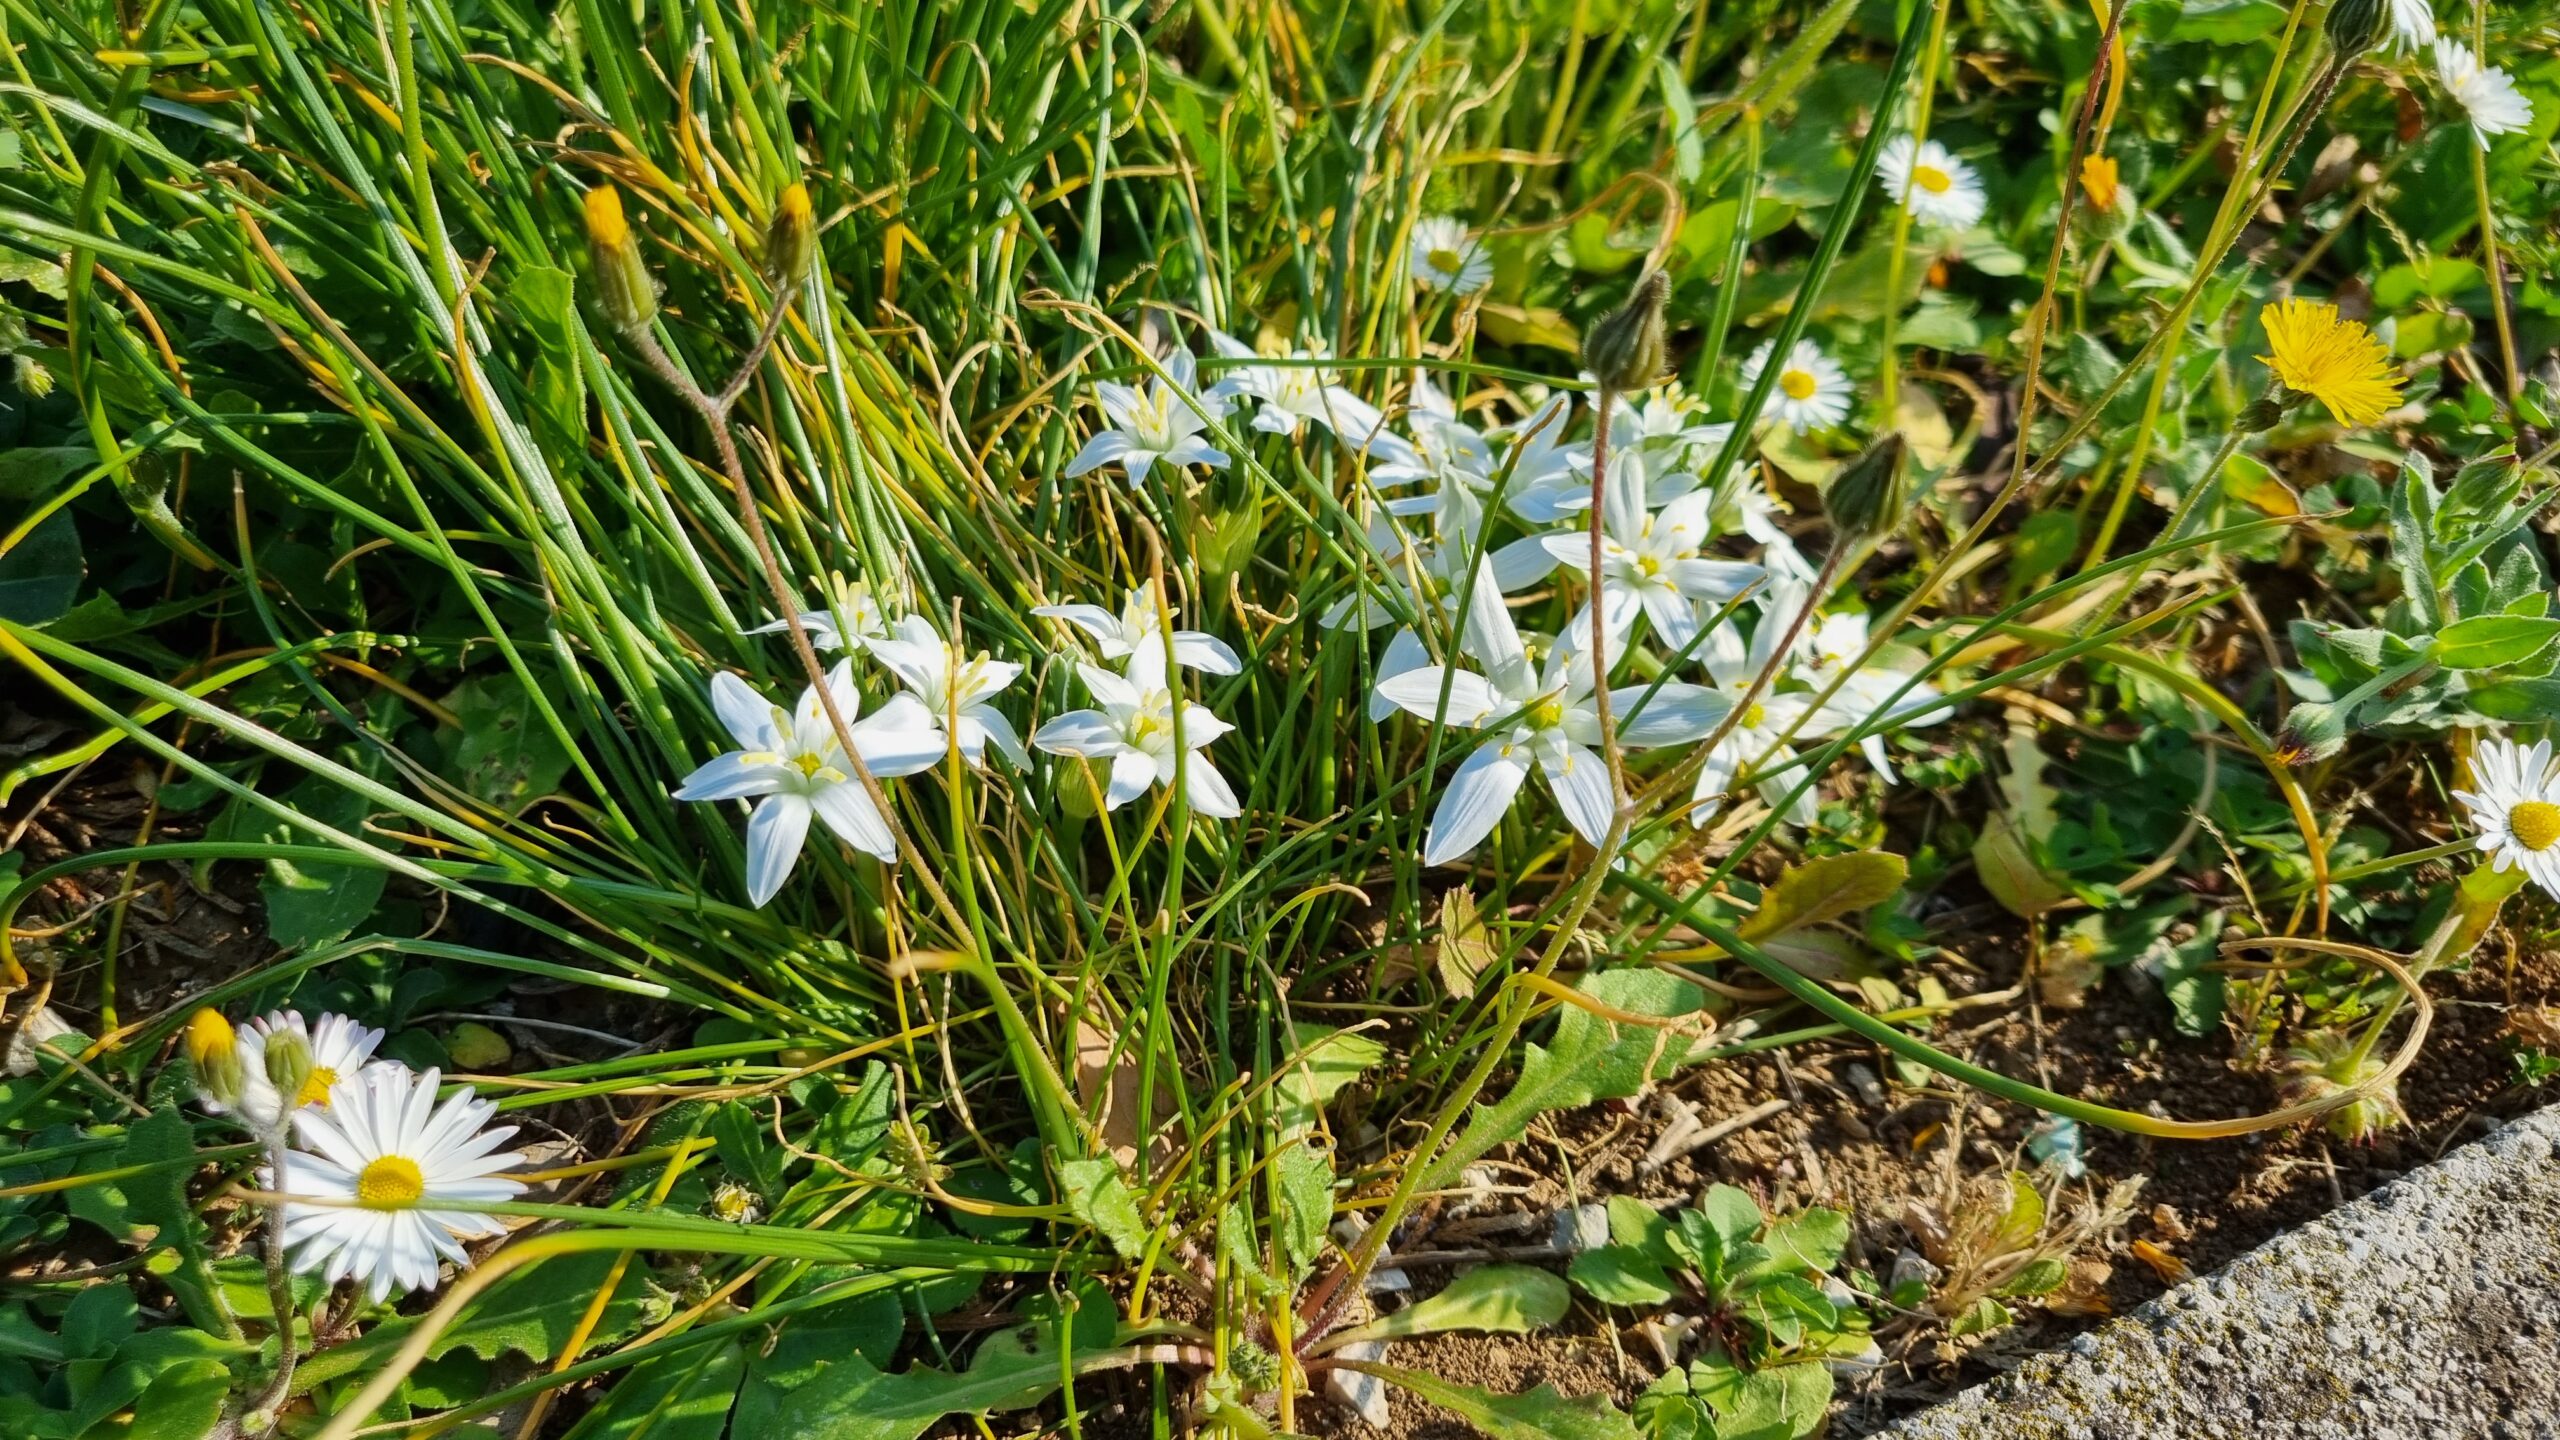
[(1226, 539), (1623, 350), (2107, 212), (2353, 26), (214, 1051), (289, 1062), (1868, 495), (2313, 731), (624, 289), (791, 241), (2269, 409), (2324, 1065)]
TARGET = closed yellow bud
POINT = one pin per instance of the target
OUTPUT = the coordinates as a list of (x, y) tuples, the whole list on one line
[(624, 290), (214, 1051), (791, 242)]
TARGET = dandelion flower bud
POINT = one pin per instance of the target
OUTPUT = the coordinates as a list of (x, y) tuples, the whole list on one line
[(214, 1051), (1623, 350), (2354, 25), (791, 241), (1867, 496), (624, 289)]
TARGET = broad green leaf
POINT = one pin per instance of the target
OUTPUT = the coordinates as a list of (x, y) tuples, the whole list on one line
[(683, 1396), (157, 1196), (1324, 1062), (2024, 1220), (1809, 1240), (1498, 1299), (811, 1344), (1981, 1318), (1540, 1414), (1634, 1223), (504, 754), (1588, 1059), (36, 472), (2038, 1277), (1465, 947), (854, 1401), (531, 1312), (1620, 1275), (41, 573), (2494, 642), (312, 904), (182, 1402), (1826, 888), (1097, 1195), (1305, 1176)]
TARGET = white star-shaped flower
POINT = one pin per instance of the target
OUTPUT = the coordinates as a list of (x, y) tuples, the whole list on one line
[(1159, 421)]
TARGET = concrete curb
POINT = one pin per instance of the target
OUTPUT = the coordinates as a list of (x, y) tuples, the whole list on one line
[(2428, 1310)]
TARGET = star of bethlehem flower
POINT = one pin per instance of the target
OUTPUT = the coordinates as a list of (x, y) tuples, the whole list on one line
[(1549, 474), (1670, 418), (1928, 179), (1449, 459), (1140, 626), (790, 763), (1811, 393), (1133, 729), (406, 1173), (2333, 360), (1436, 560), (2514, 803), (1832, 643), (1762, 735), (2413, 24), (1651, 561), (1535, 717), (2487, 94), (1159, 421), (947, 690), (1288, 396), (1443, 257), (853, 616)]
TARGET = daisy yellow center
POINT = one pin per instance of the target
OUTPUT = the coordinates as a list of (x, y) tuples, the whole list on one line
[(1932, 179), (1445, 260), (315, 1091), (390, 1183), (1798, 384), (2535, 824)]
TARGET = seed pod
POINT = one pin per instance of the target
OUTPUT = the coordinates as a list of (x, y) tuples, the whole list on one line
[(2353, 26), (214, 1051), (1623, 349), (624, 289), (289, 1064), (791, 241), (1867, 496)]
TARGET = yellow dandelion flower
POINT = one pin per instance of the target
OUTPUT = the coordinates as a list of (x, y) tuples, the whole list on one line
[(2333, 360), (2098, 180)]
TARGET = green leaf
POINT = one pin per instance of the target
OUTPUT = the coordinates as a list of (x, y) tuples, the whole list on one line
[(683, 1396), (1541, 1414), (183, 1402), (857, 1402), (1096, 1195), (164, 1141), (1305, 1177), (505, 753), (2494, 642), (313, 904), (1588, 1059), (42, 572), (1620, 1275), (1634, 1223), (1809, 1240), (1498, 1299), (530, 1313), (1981, 1318), (1826, 889), (1324, 1062), (36, 472), (2038, 1277), (546, 300)]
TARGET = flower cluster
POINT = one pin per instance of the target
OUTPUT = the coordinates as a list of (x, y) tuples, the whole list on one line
[(380, 1181)]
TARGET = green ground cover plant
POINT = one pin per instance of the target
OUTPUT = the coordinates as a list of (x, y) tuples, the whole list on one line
[(931, 715)]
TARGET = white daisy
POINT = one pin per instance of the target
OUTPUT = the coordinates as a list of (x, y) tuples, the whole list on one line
[(2486, 93), (1134, 730), (280, 1047), (1442, 257), (2515, 805), (411, 1169), (1160, 421), (948, 690), (789, 761), (1535, 717), (853, 615), (1927, 178), (1812, 392), (1137, 627), (2413, 24), (1291, 395)]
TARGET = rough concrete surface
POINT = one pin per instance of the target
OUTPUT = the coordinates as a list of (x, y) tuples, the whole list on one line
[(2428, 1310)]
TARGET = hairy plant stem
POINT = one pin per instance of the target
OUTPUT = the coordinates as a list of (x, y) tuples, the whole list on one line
[(264, 1414)]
